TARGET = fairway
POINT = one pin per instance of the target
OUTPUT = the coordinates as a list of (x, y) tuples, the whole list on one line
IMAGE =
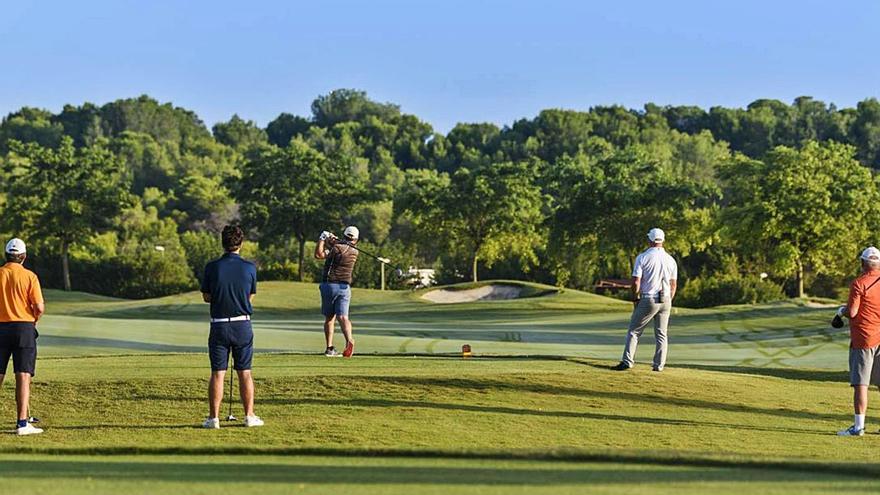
[(564, 323), (750, 401)]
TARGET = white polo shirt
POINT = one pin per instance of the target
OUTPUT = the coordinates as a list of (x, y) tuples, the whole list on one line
[(655, 267)]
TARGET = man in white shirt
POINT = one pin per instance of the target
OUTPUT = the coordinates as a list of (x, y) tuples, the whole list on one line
[(654, 282)]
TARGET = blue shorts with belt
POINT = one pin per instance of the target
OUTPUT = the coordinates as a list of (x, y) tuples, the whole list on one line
[(235, 337), (335, 298)]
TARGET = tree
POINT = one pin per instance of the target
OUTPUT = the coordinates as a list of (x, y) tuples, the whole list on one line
[(294, 191), (865, 131), (239, 133), (164, 122), (815, 206), (605, 204), (485, 214), (30, 125), (64, 194), (349, 105), (285, 127)]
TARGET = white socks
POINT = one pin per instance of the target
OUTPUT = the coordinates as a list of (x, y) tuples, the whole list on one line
[(860, 422)]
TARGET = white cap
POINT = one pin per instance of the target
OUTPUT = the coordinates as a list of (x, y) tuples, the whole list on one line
[(16, 246), (656, 235), (869, 254), (351, 233)]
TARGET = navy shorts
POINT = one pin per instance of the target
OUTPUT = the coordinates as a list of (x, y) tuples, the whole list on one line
[(18, 340), (236, 337), (335, 298)]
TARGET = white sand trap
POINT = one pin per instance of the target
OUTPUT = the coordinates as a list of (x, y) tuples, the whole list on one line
[(484, 293)]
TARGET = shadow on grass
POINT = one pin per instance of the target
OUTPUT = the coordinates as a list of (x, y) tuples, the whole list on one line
[(552, 389), (405, 473), (384, 403), (840, 376), (67, 341), (129, 426), (835, 376)]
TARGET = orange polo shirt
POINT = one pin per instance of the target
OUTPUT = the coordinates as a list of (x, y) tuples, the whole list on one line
[(864, 329), (20, 291)]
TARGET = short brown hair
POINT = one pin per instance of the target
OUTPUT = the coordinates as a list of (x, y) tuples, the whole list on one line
[(15, 257), (233, 237)]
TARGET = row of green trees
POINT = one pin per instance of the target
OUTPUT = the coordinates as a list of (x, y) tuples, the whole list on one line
[(127, 198)]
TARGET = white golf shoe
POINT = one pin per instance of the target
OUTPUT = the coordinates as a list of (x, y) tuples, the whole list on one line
[(251, 421), (852, 431), (29, 429), (212, 424)]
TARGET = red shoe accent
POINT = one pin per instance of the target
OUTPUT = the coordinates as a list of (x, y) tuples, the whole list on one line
[(349, 350)]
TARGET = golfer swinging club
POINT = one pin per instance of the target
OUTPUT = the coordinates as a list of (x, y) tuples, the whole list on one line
[(229, 284), (339, 259), (863, 310), (20, 308), (655, 275)]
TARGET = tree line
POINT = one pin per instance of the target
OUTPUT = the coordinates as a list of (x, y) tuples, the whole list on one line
[(127, 198)]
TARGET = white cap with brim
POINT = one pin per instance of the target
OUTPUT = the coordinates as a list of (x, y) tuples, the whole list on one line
[(351, 232), (656, 235), (870, 254), (16, 246)]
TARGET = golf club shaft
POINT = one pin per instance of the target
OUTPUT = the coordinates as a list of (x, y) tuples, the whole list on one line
[(377, 258), (231, 382)]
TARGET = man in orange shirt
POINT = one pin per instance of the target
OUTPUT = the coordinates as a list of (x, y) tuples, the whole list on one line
[(863, 310), (21, 305)]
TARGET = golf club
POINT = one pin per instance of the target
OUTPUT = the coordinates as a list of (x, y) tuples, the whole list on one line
[(230, 417), (397, 270)]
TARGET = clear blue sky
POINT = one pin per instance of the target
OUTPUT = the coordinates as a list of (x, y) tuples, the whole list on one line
[(447, 62)]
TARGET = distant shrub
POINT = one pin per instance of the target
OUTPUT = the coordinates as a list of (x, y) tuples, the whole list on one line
[(715, 290)]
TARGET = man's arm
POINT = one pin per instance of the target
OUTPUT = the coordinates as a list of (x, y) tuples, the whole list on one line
[(636, 285), (320, 251), (325, 239), (38, 304), (854, 302), (206, 284), (38, 309), (253, 291), (673, 285)]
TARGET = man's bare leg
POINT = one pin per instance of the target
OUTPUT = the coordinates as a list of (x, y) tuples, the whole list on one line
[(329, 326), (215, 393), (860, 399), (246, 391), (22, 394), (345, 323)]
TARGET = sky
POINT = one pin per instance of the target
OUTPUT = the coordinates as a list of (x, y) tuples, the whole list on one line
[(446, 62)]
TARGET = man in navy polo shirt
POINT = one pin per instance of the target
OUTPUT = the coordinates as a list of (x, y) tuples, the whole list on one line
[(229, 284)]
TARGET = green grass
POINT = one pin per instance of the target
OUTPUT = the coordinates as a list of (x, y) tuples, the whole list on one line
[(750, 401), (568, 323)]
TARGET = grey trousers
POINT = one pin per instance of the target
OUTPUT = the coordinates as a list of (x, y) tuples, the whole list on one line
[(648, 309)]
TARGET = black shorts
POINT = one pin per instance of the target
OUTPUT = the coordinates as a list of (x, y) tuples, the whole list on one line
[(236, 337), (18, 340)]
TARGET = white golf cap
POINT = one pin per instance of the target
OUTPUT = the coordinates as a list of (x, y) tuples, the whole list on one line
[(16, 246), (869, 254), (656, 235), (351, 232)]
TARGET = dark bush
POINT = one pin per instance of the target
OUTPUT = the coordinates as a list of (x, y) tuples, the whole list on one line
[(715, 290)]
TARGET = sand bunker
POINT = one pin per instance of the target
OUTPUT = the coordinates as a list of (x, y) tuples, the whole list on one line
[(484, 293)]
